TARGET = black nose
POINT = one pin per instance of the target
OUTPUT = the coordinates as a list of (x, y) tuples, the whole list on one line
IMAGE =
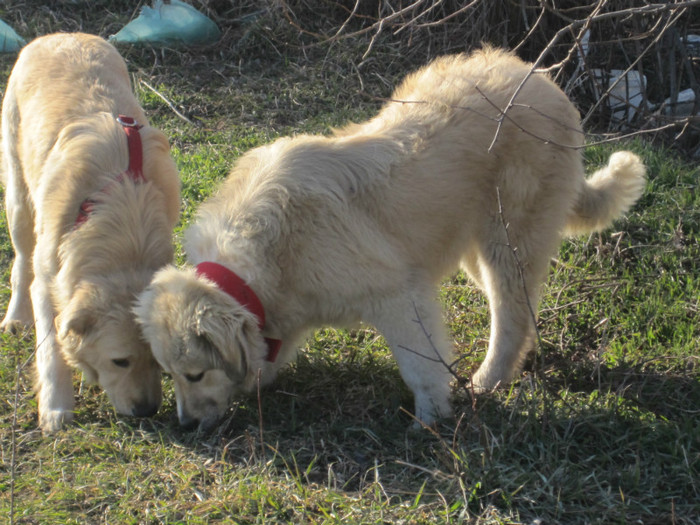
[(145, 409)]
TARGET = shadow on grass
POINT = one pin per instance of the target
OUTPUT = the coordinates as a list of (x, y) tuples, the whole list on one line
[(672, 396), (621, 446)]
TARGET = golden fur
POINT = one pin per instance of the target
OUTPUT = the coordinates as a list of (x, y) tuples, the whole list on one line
[(61, 145), (364, 224)]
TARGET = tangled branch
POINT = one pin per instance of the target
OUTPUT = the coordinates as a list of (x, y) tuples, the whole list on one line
[(624, 65)]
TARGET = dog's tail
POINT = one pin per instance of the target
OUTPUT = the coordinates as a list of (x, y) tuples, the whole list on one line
[(607, 194)]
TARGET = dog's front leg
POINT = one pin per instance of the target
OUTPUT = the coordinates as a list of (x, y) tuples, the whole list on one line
[(54, 379), (411, 324)]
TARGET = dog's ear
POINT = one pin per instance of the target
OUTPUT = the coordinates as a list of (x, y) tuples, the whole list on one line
[(230, 338), (80, 315)]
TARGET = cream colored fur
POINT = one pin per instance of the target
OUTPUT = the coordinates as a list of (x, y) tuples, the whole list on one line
[(364, 224), (61, 145)]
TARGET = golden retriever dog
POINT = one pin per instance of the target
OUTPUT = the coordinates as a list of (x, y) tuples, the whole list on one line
[(91, 200), (362, 226)]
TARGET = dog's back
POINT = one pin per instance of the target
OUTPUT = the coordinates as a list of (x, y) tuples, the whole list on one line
[(56, 80), (415, 185), (455, 154)]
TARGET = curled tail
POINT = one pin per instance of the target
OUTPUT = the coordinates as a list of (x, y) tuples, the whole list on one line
[(607, 194)]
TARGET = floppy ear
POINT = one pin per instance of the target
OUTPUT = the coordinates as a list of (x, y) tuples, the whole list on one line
[(231, 340), (80, 315)]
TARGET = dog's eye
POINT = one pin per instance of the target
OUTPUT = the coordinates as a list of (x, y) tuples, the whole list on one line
[(121, 363), (192, 378)]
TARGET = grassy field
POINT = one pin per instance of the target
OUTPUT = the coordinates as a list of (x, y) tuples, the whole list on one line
[(602, 427)]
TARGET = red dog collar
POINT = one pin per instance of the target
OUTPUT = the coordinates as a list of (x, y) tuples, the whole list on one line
[(135, 169), (232, 284), (133, 139)]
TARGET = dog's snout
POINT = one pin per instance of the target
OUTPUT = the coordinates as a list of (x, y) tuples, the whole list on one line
[(144, 409)]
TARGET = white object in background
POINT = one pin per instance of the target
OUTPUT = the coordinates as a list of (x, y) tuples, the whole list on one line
[(682, 107), (626, 91), (692, 45)]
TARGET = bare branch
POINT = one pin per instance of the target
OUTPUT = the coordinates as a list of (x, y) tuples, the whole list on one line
[(451, 15), (169, 104), (519, 265), (347, 20), (376, 26), (451, 367), (631, 66), (583, 25)]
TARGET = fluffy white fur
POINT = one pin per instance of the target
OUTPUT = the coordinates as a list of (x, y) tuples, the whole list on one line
[(61, 144), (364, 224)]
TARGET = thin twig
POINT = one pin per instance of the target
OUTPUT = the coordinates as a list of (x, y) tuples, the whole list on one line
[(374, 39), (260, 418), (675, 122), (431, 7), (347, 20), (532, 29), (629, 68), (13, 430), (378, 25), (582, 26), (533, 69), (518, 262), (505, 116), (451, 15), (169, 104), (438, 359)]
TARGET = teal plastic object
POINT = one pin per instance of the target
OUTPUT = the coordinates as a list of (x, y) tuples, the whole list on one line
[(174, 23), (10, 42)]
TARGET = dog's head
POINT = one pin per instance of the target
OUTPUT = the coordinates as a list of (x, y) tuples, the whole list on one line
[(209, 343), (98, 334)]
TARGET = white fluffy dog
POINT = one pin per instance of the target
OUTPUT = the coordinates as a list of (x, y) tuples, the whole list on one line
[(91, 203), (362, 225)]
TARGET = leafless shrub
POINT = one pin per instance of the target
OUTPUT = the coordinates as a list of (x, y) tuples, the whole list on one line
[(627, 64)]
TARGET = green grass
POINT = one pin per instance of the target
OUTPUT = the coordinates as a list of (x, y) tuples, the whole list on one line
[(602, 427)]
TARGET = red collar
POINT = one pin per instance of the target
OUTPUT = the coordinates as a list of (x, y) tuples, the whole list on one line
[(134, 171), (237, 288), (133, 139)]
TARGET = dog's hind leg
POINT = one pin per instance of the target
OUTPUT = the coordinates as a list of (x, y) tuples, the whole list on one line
[(20, 222), (412, 325), (511, 278)]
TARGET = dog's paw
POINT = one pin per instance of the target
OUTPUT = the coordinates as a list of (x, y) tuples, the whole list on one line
[(51, 421), (422, 424), (14, 326), (19, 315), (482, 383), (430, 408)]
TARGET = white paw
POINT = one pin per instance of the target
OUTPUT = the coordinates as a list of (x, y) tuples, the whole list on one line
[(14, 326), (483, 382), (53, 420), (431, 408)]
